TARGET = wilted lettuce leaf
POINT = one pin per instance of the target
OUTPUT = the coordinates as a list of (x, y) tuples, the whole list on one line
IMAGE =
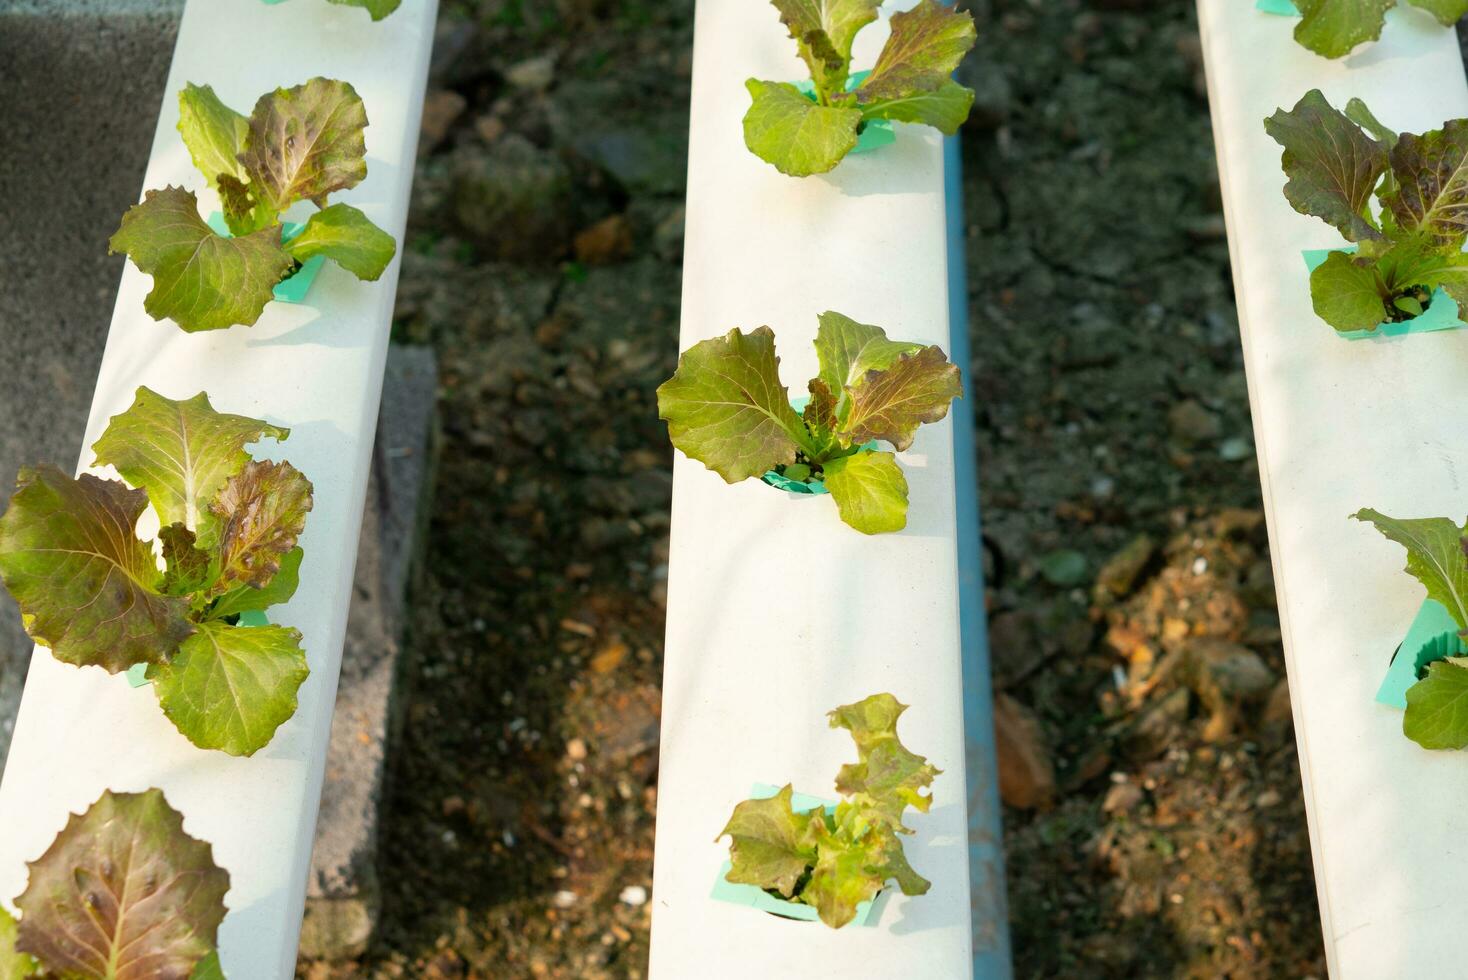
[(201, 279), (834, 861), (1434, 556), (794, 134), (726, 408), (305, 142), (869, 490), (1415, 246), (261, 511), (181, 453), (890, 403), (123, 893), (910, 82), (87, 587), (888, 778), (769, 843), (345, 235), (230, 687), (14, 965), (213, 132), (1333, 167)]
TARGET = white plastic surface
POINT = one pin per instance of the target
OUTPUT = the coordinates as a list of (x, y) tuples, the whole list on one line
[(778, 612), (1340, 425), (316, 368)]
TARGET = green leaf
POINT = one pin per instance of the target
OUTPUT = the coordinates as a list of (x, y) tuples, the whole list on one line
[(1447, 12), (243, 214), (231, 687), (890, 403), (261, 512), (1431, 192), (189, 570), (1437, 708), (870, 491), (945, 108), (1333, 27), (888, 778), (377, 8), (925, 47), (847, 350), (824, 31), (306, 142), (247, 598), (726, 408), (847, 872), (345, 235), (213, 132), (1332, 165), (201, 280), (1358, 112), (208, 968), (1345, 294), (87, 587), (123, 893), (181, 453), (768, 843), (1434, 557), (14, 965), (794, 134)]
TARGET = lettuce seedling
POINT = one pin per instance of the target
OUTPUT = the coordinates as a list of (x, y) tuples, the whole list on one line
[(809, 134), (835, 859), (726, 408), (1437, 556), (122, 893), (95, 594), (1336, 162), (1333, 28), (299, 144)]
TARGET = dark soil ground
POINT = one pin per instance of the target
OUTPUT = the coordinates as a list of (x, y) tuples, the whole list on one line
[(1155, 825)]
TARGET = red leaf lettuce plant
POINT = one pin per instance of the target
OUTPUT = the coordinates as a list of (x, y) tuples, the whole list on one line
[(1337, 162), (122, 893), (299, 144), (833, 859), (726, 407), (95, 594), (911, 82)]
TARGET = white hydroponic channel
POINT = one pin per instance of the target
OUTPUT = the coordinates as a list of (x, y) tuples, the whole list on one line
[(316, 368), (1340, 425), (778, 612)]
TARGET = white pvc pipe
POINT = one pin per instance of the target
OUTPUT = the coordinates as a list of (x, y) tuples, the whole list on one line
[(316, 368), (778, 612), (1340, 425)]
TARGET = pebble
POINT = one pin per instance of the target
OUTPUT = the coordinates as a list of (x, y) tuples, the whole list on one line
[(565, 899), (576, 749), (634, 895)]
